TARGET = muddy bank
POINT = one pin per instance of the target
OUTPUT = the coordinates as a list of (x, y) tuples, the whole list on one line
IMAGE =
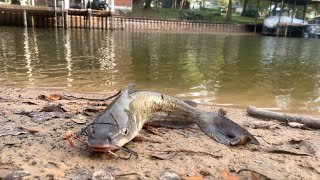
[(32, 145)]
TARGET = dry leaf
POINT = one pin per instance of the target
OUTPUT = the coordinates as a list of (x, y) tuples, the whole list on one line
[(54, 97), (254, 176), (79, 119), (297, 125), (227, 176), (266, 125), (53, 108), (69, 136), (195, 177)]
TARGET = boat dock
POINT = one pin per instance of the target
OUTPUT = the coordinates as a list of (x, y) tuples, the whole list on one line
[(41, 16), (286, 30)]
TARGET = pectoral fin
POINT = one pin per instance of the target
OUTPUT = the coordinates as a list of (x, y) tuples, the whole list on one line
[(227, 132)]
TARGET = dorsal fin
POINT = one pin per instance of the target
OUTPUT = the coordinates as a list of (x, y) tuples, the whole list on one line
[(130, 87), (190, 103)]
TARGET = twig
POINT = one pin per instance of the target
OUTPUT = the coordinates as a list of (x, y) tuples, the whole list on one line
[(30, 130), (188, 151), (280, 151), (93, 99), (265, 140), (254, 172)]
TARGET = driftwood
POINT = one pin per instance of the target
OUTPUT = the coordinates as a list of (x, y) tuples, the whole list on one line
[(308, 121)]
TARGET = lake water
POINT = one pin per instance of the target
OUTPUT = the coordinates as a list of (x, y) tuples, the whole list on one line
[(231, 70)]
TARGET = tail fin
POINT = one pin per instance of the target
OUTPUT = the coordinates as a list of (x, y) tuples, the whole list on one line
[(225, 130)]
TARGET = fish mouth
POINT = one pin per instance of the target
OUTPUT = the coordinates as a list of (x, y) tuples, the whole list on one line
[(101, 148)]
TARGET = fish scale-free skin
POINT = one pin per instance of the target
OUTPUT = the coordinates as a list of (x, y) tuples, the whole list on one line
[(127, 114)]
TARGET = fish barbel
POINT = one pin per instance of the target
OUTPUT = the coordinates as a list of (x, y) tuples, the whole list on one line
[(123, 119)]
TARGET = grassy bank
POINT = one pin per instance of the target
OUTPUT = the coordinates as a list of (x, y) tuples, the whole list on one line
[(192, 15)]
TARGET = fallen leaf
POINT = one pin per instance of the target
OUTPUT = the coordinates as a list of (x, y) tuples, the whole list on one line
[(265, 125), (243, 140), (196, 177), (227, 176), (79, 119), (91, 111), (54, 97), (11, 128), (297, 125), (42, 97), (53, 108), (254, 176), (69, 136), (51, 97), (45, 116)]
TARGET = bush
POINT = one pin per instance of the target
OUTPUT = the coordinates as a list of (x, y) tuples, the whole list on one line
[(251, 13)]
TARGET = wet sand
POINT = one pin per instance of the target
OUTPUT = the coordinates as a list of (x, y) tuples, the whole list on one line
[(284, 152)]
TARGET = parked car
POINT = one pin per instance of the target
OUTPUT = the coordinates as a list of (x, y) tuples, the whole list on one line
[(97, 4)]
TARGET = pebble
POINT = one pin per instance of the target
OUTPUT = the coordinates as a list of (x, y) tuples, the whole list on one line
[(17, 175), (102, 174), (78, 173), (169, 176)]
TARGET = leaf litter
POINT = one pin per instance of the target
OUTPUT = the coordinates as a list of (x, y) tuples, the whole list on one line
[(292, 147)]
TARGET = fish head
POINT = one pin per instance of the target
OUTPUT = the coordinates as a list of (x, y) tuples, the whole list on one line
[(106, 135)]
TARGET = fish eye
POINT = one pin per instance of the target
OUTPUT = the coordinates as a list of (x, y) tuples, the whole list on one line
[(125, 131)]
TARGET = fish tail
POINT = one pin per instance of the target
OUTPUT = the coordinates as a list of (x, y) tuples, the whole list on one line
[(224, 130)]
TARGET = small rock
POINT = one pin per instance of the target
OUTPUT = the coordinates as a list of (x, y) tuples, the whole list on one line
[(101, 174), (17, 175), (79, 119), (209, 178), (222, 111), (205, 173), (50, 176), (78, 173), (169, 176), (147, 174)]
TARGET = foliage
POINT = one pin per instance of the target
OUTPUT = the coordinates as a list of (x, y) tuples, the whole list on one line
[(176, 14), (251, 13)]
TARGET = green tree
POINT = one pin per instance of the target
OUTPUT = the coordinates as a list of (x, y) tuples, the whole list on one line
[(147, 4), (245, 3), (229, 12)]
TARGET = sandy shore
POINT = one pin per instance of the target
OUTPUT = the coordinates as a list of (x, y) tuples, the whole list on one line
[(284, 152)]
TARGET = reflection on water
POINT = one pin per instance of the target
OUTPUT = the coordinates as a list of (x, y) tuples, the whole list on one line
[(210, 69)]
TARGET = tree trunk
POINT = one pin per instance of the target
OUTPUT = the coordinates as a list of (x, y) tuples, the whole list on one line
[(245, 3), (229, 12), (148, 4), (274, 10), (308, 121)]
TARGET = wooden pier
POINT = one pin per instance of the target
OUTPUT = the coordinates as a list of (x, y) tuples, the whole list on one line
[(47, 17)]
